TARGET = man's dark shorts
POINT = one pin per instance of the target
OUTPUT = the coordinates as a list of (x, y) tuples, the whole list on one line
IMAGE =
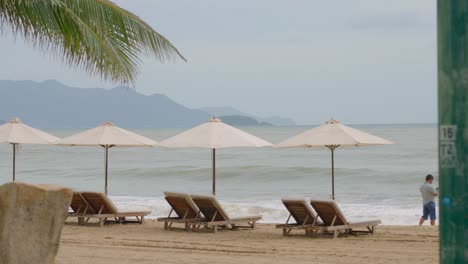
[(429, 210)]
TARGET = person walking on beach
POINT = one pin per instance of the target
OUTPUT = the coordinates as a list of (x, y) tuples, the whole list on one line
[(428, 194)]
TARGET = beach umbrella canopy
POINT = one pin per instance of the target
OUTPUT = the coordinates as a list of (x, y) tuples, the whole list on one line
[(332, 135), (107, 136), (15, 132), (214, 134)]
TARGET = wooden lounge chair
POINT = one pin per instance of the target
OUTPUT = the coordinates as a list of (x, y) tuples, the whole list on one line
[(215, 216), (79, 205), (302, 214), (104, 209), (335, 221), (186, 212), (80, 208)]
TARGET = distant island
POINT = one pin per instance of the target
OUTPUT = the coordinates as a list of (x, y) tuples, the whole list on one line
[(236, 120), (51, 104), (230, 111)]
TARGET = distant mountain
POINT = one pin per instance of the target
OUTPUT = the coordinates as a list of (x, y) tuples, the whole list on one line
[(50, 104), (230, 111), (237, 120), (279, 121), (223, 111)]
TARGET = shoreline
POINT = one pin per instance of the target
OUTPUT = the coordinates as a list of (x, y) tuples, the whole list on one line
[(274, 212), (150, 243)]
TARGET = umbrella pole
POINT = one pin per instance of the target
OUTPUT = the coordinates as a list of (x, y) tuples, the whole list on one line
[(14, 161), (107, 162), (333, 171), (213, 158)]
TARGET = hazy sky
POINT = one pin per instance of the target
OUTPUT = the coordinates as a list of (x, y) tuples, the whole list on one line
[(359, 61)]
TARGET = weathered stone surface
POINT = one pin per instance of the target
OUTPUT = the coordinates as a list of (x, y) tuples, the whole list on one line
[(31, 222)]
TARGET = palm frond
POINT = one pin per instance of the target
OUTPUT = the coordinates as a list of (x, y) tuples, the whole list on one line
[(95, 35)]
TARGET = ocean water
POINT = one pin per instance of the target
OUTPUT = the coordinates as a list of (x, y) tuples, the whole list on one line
[(370, 182)]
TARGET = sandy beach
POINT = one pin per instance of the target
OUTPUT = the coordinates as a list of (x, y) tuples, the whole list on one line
[(149, 243)]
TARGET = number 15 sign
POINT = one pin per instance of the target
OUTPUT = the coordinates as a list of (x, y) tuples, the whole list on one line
[(448, 151)]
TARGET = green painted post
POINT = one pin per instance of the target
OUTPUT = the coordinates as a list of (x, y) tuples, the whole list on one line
[(452, 17)]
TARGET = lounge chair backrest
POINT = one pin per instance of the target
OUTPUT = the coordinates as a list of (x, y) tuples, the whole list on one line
[(100, 203), (79, 205), (182, 205), (210, 207), (300, 210), (328, 210)]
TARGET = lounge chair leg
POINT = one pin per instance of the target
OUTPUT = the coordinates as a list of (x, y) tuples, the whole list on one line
[(286, 231), (101, 222), (81, 220), (335, 234), (142, 219), (312, 232), (215, 229), (371, 229)]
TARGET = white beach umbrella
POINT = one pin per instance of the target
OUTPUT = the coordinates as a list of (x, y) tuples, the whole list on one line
[(332, 135), (214, 134), (15, 132), (107, 136)]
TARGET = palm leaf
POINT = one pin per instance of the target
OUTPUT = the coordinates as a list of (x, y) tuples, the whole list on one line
[(95, 35)]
